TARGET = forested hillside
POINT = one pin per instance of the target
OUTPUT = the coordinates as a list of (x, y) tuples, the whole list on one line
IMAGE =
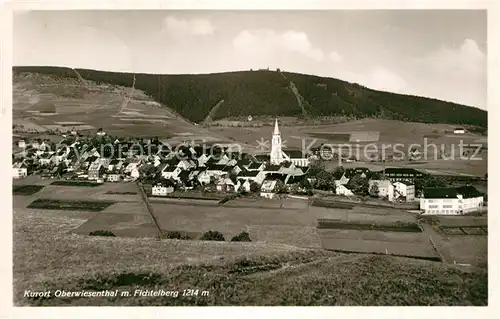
[(266, 92)]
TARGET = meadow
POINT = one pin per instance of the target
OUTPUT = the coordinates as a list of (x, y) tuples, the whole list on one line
[(233, 273), (52, 250)]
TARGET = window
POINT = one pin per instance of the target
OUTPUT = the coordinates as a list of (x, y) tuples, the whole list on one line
[(433, 206), (447, 206)]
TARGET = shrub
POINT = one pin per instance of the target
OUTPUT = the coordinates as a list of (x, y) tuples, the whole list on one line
[(213, 235), (243, 236), (177, 235), (102, 233)]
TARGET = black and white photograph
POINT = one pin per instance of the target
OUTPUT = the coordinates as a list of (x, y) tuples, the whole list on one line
[(176, 157)]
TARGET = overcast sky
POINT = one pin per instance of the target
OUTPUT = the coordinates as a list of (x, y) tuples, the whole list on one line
[(439, 54)]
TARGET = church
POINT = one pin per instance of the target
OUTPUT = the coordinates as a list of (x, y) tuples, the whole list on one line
[(278, 155)]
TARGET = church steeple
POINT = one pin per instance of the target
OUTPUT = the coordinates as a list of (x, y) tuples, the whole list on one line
[(276, 152), (276, 129)]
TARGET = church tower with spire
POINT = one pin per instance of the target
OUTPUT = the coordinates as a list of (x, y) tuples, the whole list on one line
[(276, 152)]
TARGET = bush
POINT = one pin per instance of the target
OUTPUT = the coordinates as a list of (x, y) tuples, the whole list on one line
[(213, 235), (102, 233), (243, 236), (177, 235)]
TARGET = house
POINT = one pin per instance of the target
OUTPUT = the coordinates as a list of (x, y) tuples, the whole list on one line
[(451, 201), (21, 144), (459, 130), (342, 189), (223, 160), (404, 190), (343, 180), (19, 170), (245, 184), (252, 176), (216, 170), (133, 164), (134, 173), (171, 172), (267, 190), (115, 164), (256, 166), (227, 185), (186, 164), (104, 161), (296, 157), (262, 158), (203, 177), (397, 174), (361, 171), (385, 188), (289, 168), (96, 169), (162, 188), (113, 177), (270, 169), (45, 158), (203, 159)]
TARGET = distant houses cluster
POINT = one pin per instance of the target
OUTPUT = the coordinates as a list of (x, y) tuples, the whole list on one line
[(103, 158)]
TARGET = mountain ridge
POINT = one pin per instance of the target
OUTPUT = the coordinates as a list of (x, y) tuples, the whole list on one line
[(268, 92)]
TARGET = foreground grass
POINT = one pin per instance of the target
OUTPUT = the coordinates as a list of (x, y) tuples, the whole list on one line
[(47, 258)]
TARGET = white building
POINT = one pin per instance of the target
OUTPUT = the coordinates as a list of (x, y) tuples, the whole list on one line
[(113, 177), (21, 144), (343, 190), (459, 130), (267, 189), (276, 152), (404, 189), (19, 170), (278, 155), (451, 201), (385, 188), (171, 172), (204, 178), (162, 188)]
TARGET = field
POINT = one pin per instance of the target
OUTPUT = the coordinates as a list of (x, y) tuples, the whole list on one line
[(75, 183), (26, 189), (52, 250), (46, 257), (368, 225), (393, 136), (119, 110), (93, 206)]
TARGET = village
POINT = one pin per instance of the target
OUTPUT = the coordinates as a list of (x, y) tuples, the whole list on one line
[(217, 168)]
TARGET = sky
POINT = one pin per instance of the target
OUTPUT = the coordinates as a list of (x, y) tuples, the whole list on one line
[(434, 53)]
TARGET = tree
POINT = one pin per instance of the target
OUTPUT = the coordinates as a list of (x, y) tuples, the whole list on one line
[(338, 172), (325, 180), (254, 187), (428, 181), (280, 188), (213, 235), (243, 236), (359, 185), (374, 190)]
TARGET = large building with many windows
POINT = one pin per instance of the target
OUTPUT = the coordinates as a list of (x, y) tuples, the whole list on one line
[(451, 201)]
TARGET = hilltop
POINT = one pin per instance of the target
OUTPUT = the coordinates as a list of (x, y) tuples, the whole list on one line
[(205, 97)]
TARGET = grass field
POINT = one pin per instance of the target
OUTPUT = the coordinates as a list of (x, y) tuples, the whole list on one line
[(26, 189), (232, 273), (43, 203), (75, 183)]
